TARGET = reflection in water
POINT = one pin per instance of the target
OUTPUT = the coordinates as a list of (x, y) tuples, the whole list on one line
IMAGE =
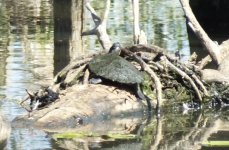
[(27, 57), (162, 21), (170, 132), (4, 132), (62, 33), (26, 62)]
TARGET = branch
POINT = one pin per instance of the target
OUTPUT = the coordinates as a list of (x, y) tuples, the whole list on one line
[(196, 79), (184, 75), (95, 17), (200, 84), (86, 76), (100, 26), (135, 5), (139, 35), (106, 13), (212, 47), (206, 60), (152, 74)]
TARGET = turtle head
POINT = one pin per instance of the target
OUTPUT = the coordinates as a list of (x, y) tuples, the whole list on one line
[(116, 47)]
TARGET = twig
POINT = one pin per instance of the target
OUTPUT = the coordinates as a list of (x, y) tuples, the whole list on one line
[(200, 84), (86, 76), (153, 75), (184, 75), (197, 80), (29, 96)]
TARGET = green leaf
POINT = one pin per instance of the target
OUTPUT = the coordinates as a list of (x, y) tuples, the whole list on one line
[(216, 143)]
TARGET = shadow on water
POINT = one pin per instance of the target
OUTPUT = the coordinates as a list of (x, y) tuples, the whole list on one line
[(29, 58), (62, 33)]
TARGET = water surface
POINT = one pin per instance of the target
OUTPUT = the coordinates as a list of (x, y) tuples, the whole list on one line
[(26, 62)]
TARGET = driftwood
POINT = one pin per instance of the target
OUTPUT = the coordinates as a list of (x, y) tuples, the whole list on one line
[(163, 69), (165, 72), (100, 26)]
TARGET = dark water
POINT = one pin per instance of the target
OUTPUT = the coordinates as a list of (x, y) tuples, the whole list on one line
[(26, 62)]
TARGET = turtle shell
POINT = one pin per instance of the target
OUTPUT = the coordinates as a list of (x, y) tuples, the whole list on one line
[(113, 67)]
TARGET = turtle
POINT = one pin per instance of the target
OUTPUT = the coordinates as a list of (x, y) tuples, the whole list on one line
[(115, 68)]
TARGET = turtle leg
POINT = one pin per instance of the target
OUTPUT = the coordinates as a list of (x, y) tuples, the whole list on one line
[(95, 80), (142, 96)]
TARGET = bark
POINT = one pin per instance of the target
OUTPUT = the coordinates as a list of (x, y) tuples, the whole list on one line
[(139, 35), (211, 75), (100, 26), (152, 74), (211, 47)]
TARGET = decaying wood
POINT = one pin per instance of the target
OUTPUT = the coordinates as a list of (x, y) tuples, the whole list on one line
[(86, 76), (154, 50), (139, 35), (206, 60), (164, 72), (75, 64), (100, 26), (155, 61), (197, 80), (73, 74), (211, 47), (193, 75), (211, 75)]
